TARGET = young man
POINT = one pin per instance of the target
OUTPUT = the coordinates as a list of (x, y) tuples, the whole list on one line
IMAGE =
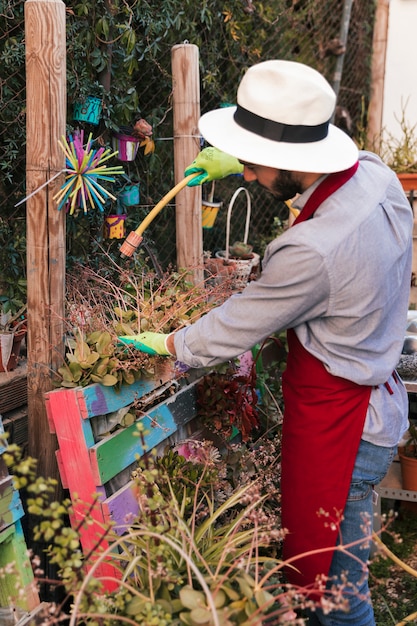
[(338, 280)]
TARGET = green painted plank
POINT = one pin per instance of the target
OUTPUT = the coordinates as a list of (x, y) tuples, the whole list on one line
[(112, 455), (13, 549), (115, 453), (11, 508)]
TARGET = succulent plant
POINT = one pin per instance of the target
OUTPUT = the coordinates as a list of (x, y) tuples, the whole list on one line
[(96, 358), (241, 250)]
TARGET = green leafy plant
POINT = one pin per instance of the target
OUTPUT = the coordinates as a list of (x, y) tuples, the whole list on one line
[(104, 305), (96, 358), (195, 554), (399, 151), (12, 323)]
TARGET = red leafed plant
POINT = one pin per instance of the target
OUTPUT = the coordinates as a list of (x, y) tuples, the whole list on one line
[(228, 399)]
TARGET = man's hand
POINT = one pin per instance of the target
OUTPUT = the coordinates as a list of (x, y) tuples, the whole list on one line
[(151, 343), (213, 165)]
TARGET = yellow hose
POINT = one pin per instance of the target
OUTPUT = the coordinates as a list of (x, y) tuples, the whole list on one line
[(394, 558), (404, 566), (407, 620), (134, 238)]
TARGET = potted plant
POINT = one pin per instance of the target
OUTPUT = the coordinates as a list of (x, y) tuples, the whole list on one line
[(408, 459), (400, 152), (128, 139), (13, 328)]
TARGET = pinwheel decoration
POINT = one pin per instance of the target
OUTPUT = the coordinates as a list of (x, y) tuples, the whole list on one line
[(85, 167)]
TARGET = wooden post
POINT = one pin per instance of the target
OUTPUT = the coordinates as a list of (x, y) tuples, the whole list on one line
[(46, 118), (379, 47), (186, 105)]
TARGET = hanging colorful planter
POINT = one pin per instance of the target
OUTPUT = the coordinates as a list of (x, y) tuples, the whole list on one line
[(130, 195), (88, 111), (114, 226), (210, 207), (126, 146), (209, 213)]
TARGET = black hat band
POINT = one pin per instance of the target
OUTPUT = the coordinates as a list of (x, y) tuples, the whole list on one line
[(279, 132)]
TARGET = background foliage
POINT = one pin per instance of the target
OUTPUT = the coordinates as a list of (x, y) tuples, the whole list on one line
[(121, 51)]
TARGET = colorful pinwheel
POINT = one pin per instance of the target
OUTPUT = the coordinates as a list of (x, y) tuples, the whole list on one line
[(85, 167)]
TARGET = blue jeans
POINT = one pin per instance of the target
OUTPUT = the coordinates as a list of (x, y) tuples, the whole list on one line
[(371, 465)]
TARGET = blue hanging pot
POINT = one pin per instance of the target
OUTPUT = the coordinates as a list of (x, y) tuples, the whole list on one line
[(130, 195), (88, 111)]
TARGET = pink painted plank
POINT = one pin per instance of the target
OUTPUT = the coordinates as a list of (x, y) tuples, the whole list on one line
[(62, 408)]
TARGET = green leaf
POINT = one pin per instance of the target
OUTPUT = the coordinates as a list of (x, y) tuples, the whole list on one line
[(109, 380), (103, 343), (66, 374), (82, 351), (263, 598), (76, 371), (191, 598), (128, 377), (200, 616)]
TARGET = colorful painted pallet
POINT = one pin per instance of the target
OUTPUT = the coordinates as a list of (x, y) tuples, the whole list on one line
[(17, 586), (96, 469)]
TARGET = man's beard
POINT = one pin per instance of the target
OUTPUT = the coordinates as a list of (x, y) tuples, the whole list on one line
[(285, 186)]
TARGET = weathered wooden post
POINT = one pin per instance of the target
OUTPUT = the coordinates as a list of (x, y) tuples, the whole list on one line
[(186, 105), (379, 47), (46, 118)]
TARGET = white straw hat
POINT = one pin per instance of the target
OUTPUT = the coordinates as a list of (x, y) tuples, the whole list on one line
[(282, 121)]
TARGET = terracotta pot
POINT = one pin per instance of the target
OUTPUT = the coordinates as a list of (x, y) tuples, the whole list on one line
[(408, 468), (408, 181), (11, 346)]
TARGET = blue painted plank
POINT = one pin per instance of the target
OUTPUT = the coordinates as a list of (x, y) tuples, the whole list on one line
[(98, 400)]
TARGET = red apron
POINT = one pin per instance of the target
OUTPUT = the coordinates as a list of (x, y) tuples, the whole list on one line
[(323, 423)]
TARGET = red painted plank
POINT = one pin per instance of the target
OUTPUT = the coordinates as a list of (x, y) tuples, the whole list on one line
[(63, 410)]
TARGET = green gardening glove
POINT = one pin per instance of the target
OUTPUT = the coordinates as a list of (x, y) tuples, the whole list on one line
[(151, 343), (213, 165)]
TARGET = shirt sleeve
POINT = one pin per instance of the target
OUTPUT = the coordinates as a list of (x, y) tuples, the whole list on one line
[(293, 287)]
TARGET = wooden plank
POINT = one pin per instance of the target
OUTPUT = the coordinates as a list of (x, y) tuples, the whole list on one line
[(11, 508), (61, 468), (97, 399), (17, 588), (379, 48), (113, 454), (63, 410), (121, 507)]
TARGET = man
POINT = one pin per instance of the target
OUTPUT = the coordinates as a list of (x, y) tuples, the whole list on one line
[(338, 281)]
